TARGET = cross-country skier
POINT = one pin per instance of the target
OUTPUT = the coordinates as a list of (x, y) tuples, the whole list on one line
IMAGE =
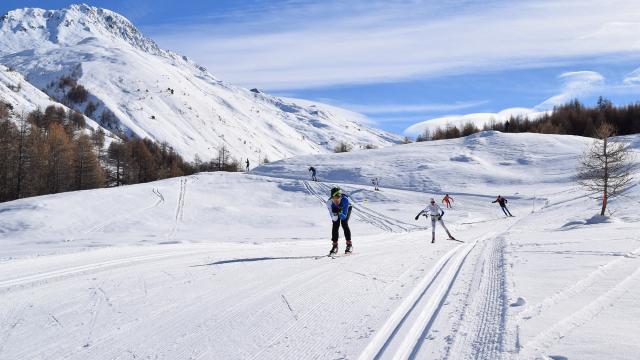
[(247, 164), (436, 213), (340, 210), (313, 173), (447, 200), (503, 205), (376, 183)]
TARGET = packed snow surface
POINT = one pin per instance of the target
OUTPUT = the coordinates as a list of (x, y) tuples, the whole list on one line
[(232, 265)]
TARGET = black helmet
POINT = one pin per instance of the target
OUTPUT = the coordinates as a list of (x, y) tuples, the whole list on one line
[(336, 191)]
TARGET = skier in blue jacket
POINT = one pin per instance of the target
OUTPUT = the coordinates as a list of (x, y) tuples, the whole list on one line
[(340, 210)]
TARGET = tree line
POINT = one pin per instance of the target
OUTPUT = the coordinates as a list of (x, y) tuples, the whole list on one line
[(51, 151), (572, 118)]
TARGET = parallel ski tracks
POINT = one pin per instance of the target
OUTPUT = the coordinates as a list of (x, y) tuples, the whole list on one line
[(621, 274), (179, 214), (480, 333), (400, 337), (68, 272)]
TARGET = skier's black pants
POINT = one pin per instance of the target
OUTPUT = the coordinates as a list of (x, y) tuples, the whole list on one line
[(345, 227), (506, 211)]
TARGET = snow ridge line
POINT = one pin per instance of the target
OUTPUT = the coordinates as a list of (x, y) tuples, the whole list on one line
[(559, 330), (449, 264), (574, 289), (85, 268)]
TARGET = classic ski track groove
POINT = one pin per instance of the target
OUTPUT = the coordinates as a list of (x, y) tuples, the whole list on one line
[(179, 215), (83, 269), (441, 277), (548, 337), (486, 300), (576, 289)]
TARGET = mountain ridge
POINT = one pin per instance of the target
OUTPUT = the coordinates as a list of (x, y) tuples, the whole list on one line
[(140, 90)]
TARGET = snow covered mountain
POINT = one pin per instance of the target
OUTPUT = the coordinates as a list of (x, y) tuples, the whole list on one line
[(23, 97), (135, 87)]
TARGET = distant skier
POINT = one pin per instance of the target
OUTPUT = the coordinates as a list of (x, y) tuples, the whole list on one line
[(313, 173), (447, 200), (340, 210), (247, 164), (376, 183), (436, 214), (503, 205)]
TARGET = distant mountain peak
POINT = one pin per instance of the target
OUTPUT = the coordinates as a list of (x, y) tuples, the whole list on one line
[(133, 86), (71, 25)]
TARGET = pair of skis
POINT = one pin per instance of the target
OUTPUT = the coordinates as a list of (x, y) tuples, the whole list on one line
[(333, 256)]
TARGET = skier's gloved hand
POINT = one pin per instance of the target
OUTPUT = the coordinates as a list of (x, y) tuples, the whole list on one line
[(334, 218)]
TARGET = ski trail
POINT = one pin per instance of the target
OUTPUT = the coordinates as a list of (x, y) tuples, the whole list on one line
[(550, 336), (179, 213), (481, 336), (100, 226), (83, 269), (577, 288), (400, 336)]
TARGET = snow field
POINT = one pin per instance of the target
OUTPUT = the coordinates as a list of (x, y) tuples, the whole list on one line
[(231, 266)]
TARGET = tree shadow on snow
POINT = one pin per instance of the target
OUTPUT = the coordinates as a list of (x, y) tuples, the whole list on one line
[(595, 219), (266, 258)]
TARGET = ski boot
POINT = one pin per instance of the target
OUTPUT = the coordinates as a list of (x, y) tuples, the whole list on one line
[(349, 249), (334, 249)]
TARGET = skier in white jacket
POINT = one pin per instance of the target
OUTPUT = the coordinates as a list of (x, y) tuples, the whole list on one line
[(435, 212)]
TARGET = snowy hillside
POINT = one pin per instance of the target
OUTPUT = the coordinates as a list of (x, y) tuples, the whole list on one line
[(139, 88), (231, 266), (488, 162), (24, 97)]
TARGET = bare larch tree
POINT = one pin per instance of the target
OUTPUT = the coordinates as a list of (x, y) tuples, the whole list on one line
[(606, 167)]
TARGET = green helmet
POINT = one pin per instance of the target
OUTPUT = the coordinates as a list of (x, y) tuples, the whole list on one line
[(336, 191)]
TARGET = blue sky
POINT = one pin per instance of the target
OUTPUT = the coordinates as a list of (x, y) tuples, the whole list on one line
[(403, 62)]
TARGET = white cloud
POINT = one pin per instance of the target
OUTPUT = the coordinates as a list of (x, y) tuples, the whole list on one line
[(575, 84), (410, 108), (478, 119), (633, 78), (357, 42)]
